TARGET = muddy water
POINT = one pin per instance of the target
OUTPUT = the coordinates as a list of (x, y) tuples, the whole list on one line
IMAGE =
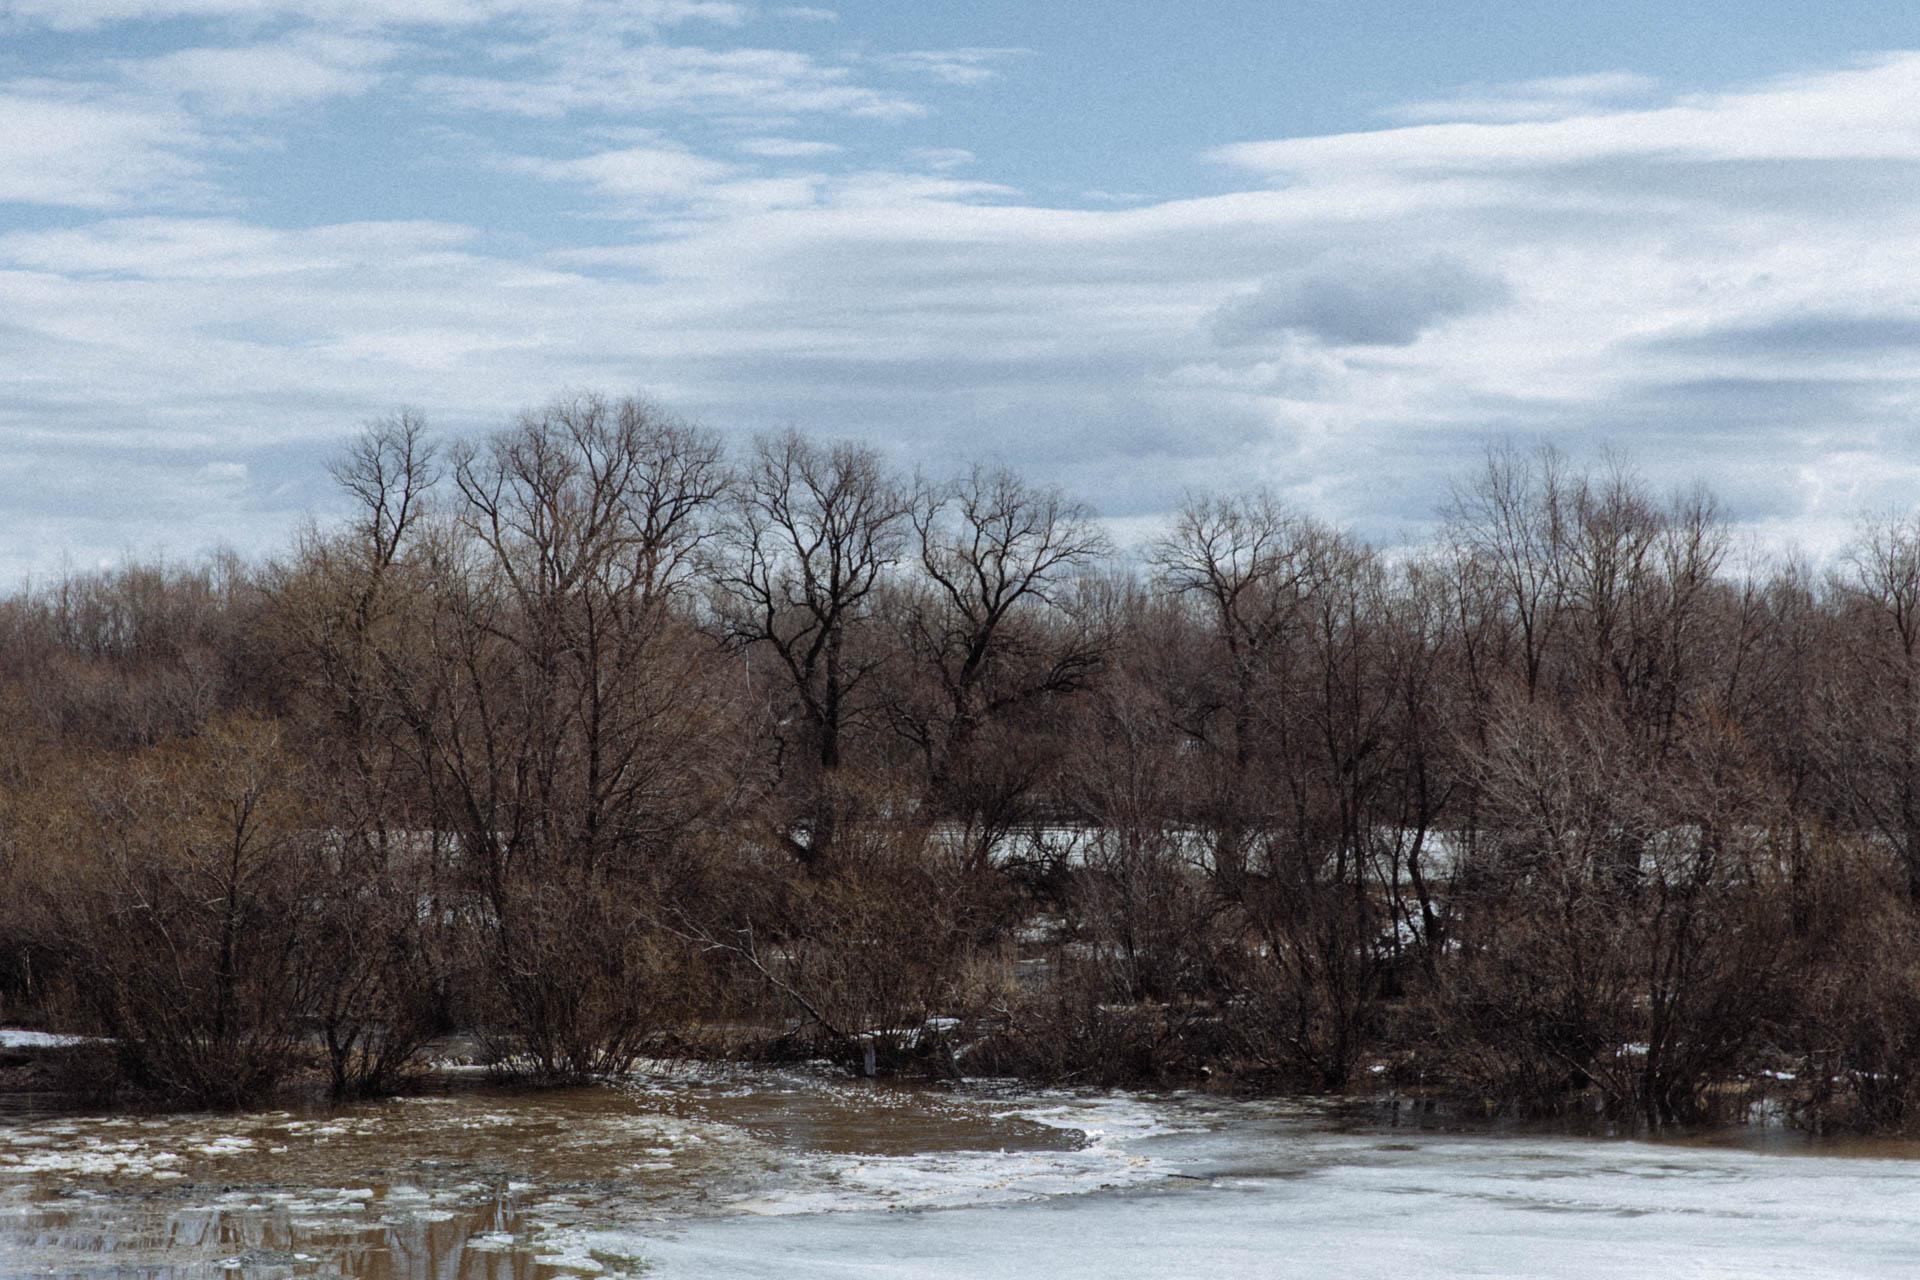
[(467, 1182), (789, 1174)]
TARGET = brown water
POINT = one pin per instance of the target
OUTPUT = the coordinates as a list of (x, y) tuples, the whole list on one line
[(789, 1174), (470, 1182)]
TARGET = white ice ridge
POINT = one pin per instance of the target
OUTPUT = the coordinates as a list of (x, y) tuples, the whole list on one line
[(1110, 1124)]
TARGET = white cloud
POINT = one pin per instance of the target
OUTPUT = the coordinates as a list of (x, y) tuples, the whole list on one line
[(80, 15), (641, 175), (77, 145), (1864, 113), (266, 77), (787, 148), (1552, 98), (967, 66), (1594, 85), (575, 73), (1727, 281), (223, 249), (941, 159)]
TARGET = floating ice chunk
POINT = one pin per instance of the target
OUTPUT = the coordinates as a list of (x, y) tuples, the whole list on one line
[(225, 1145), (492, 1242)]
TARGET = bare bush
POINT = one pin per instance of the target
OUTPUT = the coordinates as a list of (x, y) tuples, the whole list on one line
[(187, 877)]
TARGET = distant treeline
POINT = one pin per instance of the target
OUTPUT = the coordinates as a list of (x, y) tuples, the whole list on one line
[(596, 741)]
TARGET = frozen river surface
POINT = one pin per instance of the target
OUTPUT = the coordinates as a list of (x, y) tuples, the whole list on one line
[(789, 1174)]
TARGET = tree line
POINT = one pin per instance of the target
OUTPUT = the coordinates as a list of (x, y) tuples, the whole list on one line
[(595, 741)]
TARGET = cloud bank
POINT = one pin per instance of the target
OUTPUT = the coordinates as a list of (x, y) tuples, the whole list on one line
[(1724, 284)]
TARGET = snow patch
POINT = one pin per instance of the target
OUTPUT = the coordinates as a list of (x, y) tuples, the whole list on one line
[(20, 1038)]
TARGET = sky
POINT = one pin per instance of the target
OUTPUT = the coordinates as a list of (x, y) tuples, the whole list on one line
[(1134, 249)]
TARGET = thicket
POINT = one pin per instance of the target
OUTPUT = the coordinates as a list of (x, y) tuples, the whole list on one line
[(594, 741)]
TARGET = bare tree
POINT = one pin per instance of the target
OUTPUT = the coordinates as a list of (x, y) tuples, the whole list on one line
[(1880, 771), (575, 724), (1248, 564), (810, 535), (994, 632), (346, 618), (1509, 523)]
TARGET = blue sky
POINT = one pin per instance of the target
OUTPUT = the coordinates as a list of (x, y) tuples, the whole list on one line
[(1133, 248)]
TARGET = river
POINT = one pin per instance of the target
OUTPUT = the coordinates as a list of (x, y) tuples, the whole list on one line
[(758, 1173)]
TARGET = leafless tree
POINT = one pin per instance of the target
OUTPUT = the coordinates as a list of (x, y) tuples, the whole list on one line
[(345, 622), (574, 725), (994, 637), (1248, 564), (1509, 525), (810, 535), (1880, 773)]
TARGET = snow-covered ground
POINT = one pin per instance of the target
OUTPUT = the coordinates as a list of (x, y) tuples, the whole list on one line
[(15, 1038)]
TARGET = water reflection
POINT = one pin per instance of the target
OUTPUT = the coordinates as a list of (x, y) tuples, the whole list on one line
[(472, 1183), (190, 1243)]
